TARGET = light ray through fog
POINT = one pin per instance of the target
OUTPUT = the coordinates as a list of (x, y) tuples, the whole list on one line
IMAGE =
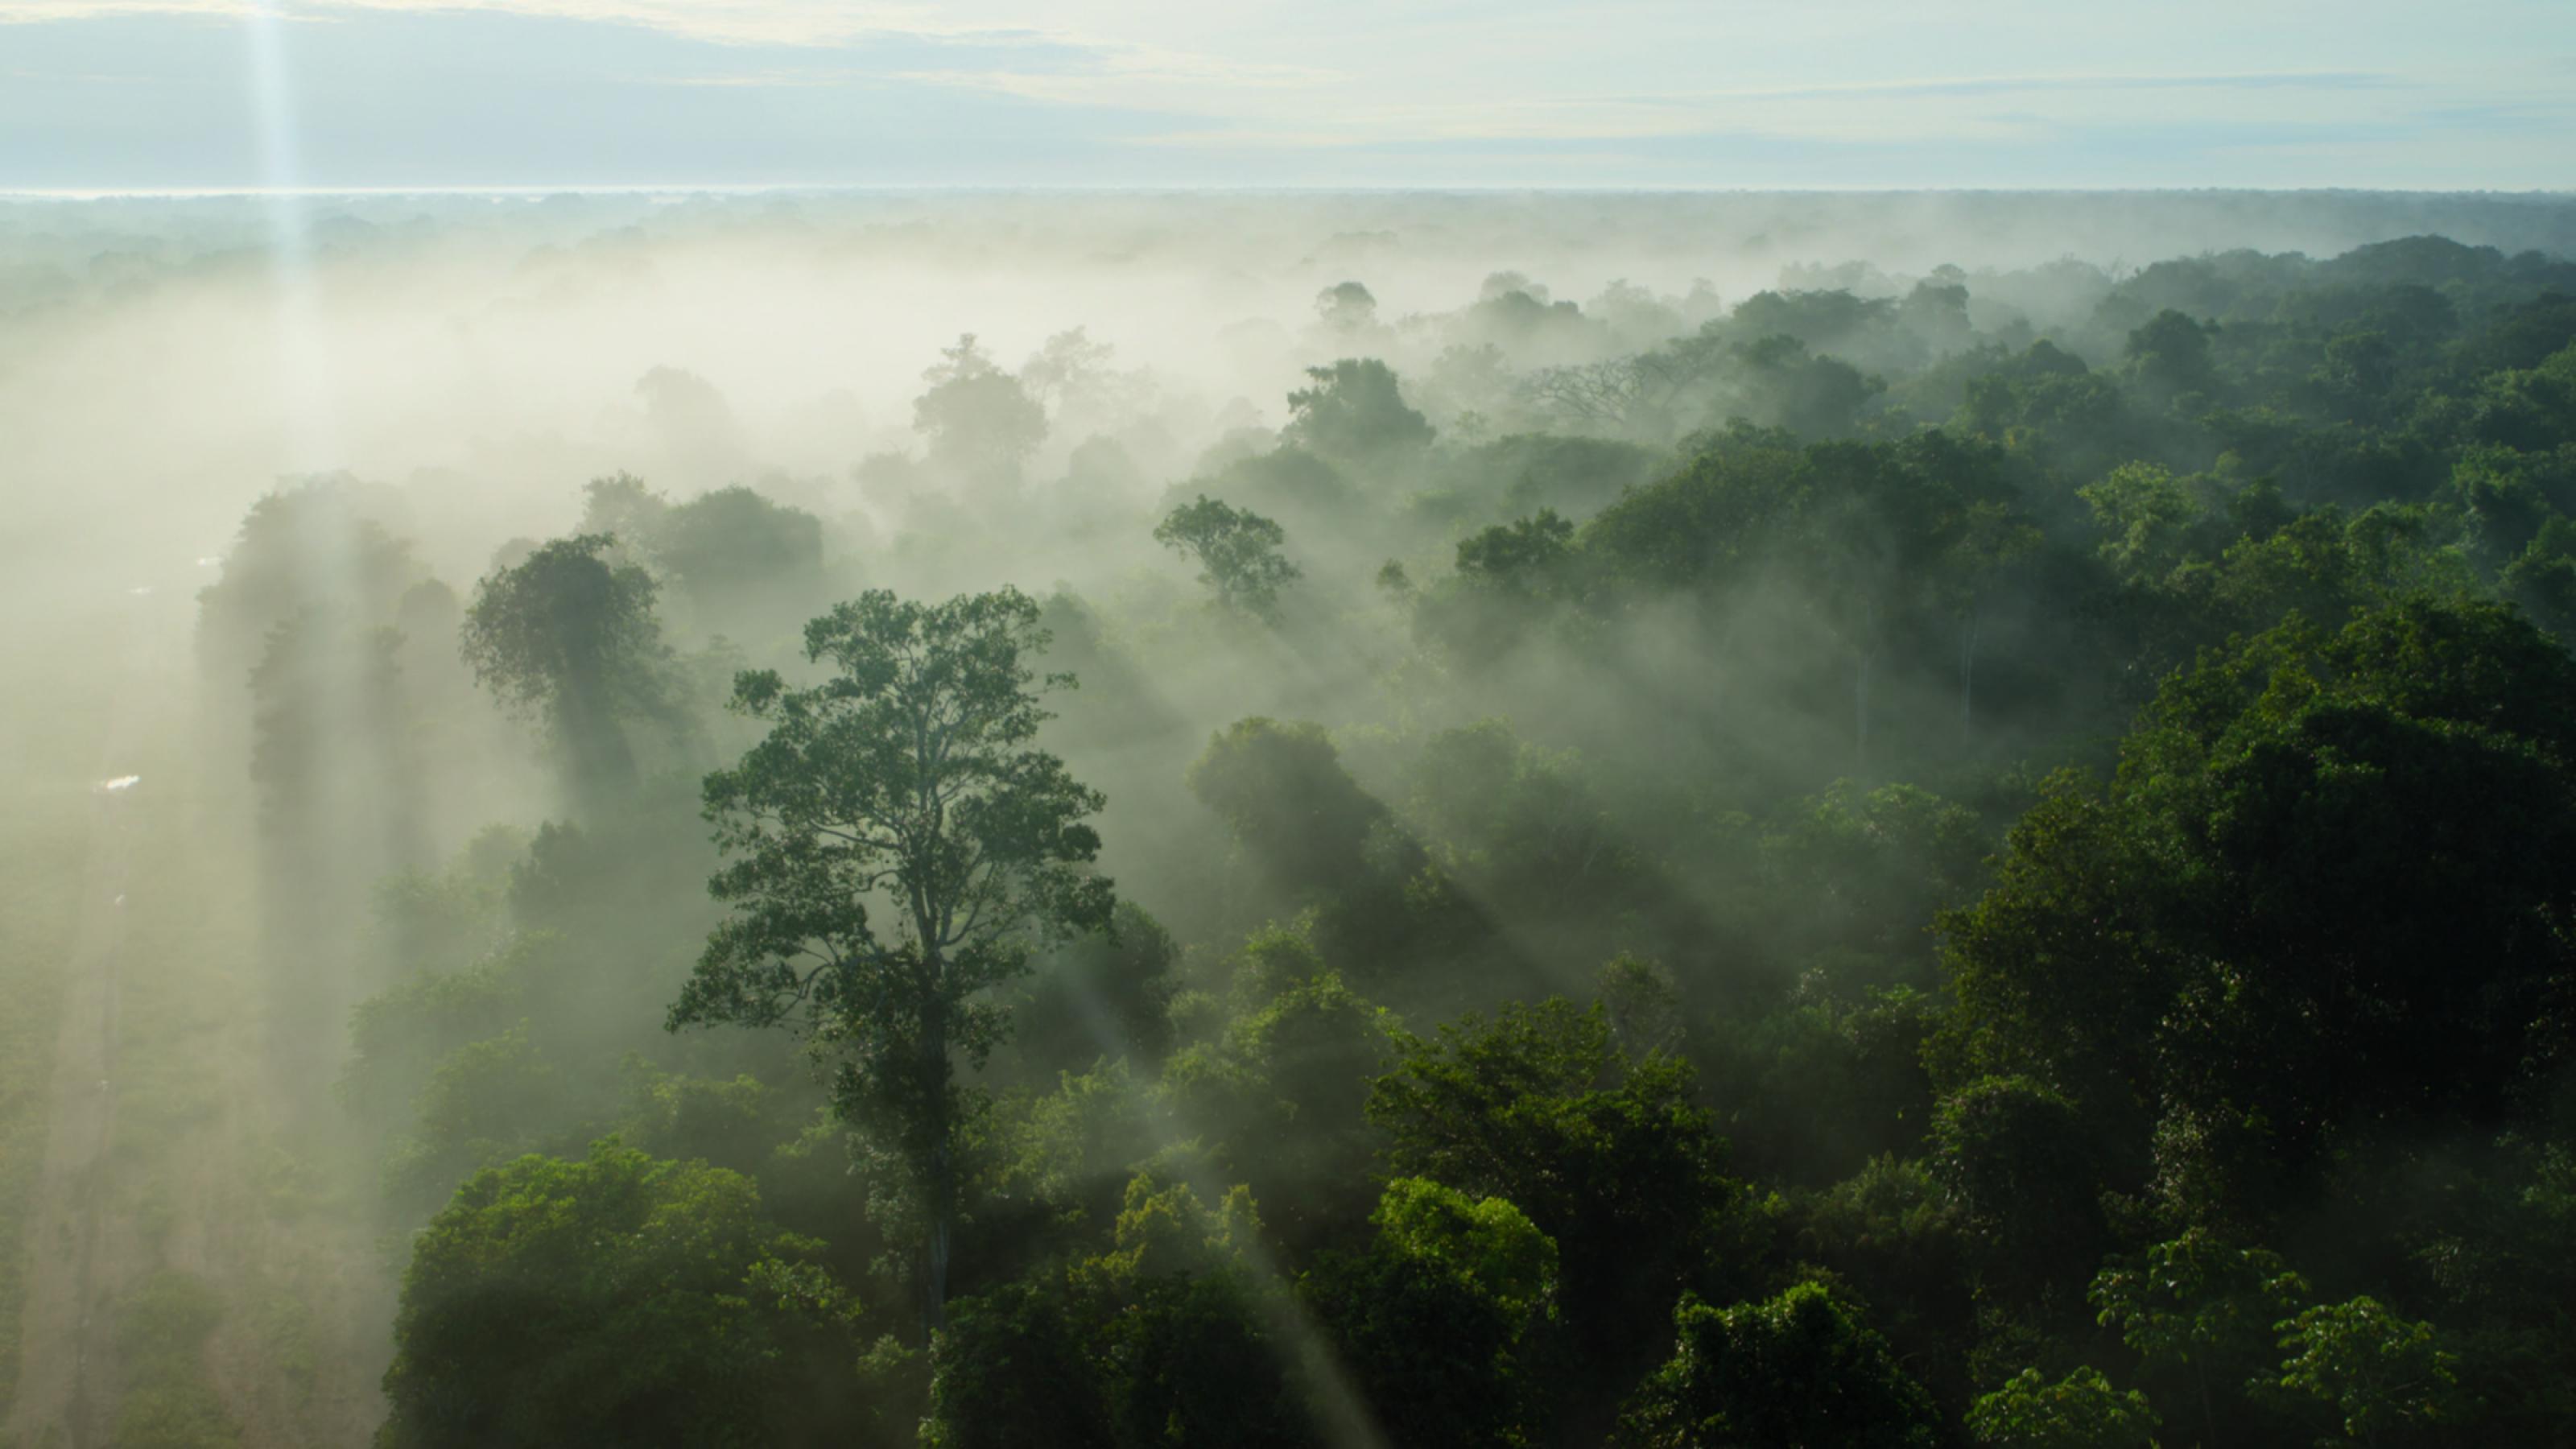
[(1341, 1411), (330, 637), (309, 440)]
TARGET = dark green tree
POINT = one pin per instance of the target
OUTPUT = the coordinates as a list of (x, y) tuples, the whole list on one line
[(619, 1300), (1813, 397), (569, 636), (1346, 308), (2199, 1313), (1801, 1369), (1282, 787), (980, 420), (1608, 1156), (732, 550), (1168, 1340), (1354, 412), (1237, 551), (1014, 1366), (2375, 1375), (625, 507), (2170, 356), (2320, 901), (2020, 1161), (1433, 1318), (897, 846), (1105, 994), (2080, 1411)]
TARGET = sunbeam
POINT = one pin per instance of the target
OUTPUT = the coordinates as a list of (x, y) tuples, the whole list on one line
[(309, 422)]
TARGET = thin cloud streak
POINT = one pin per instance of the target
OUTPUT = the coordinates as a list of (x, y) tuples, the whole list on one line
[(993, 90)]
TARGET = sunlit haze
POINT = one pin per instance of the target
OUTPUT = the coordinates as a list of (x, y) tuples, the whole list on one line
[(770, 724)]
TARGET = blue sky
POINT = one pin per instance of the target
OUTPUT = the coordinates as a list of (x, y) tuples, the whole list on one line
[(191, 94)]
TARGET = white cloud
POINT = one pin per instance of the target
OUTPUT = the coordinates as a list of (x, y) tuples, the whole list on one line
[(1343, 73), (806, 23), (34, 12)]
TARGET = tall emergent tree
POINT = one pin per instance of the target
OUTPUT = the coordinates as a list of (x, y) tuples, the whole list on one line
[(897, 846), (569, 636)]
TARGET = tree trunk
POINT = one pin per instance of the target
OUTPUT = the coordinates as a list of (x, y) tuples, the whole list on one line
[(939, 1187), (1860, 711), (601, 763), (1868, 652), (1968, 680), (934, 1277)]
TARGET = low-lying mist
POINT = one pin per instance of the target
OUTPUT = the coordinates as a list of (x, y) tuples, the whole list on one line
[(1391, 818)]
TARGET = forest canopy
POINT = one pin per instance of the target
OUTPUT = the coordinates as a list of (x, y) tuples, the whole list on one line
[(1970, 855)]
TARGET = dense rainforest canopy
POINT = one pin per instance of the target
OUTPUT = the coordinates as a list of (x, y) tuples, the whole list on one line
[(1979, 859)]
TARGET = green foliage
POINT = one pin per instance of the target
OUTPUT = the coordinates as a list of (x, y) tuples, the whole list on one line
[(1518, 556), (2195, 1300), (2385, 1378), (1708, 524), (1168, 1339), (1353, 412), (1105, 994), (2199, 1313), (569, 636), (2079, 1411), (1900, 1243), (1433, 1318), (1282, 788), (2020, 1161), (1510, 582), (1074, 1147), (1286, 1084), (397, 1038), (979, 419), (1529, 473), (906, 782), (1013, 1367), (733, 1124), (1799, 1369), (1523, 828), (1346, 307), (472, 1112), (617, 1297), (1488, 1245), (1870, 868), (624, 507), (2146, 516), (2171, 356), (1814, 397), (1306, 493), (2347, 810), (1609, 1157), (2253, 633), (732, 548), (1204, 1367), (444, 920), (1237, 552), (1816, 1088), (318, 691), (322, 544)]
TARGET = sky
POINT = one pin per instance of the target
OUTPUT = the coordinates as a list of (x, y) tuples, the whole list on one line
[(110, 95)]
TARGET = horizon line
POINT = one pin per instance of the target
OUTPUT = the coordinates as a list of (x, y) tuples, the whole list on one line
[(685, 188)]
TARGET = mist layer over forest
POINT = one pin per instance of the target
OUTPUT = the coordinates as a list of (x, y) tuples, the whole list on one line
[(821, 817)]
